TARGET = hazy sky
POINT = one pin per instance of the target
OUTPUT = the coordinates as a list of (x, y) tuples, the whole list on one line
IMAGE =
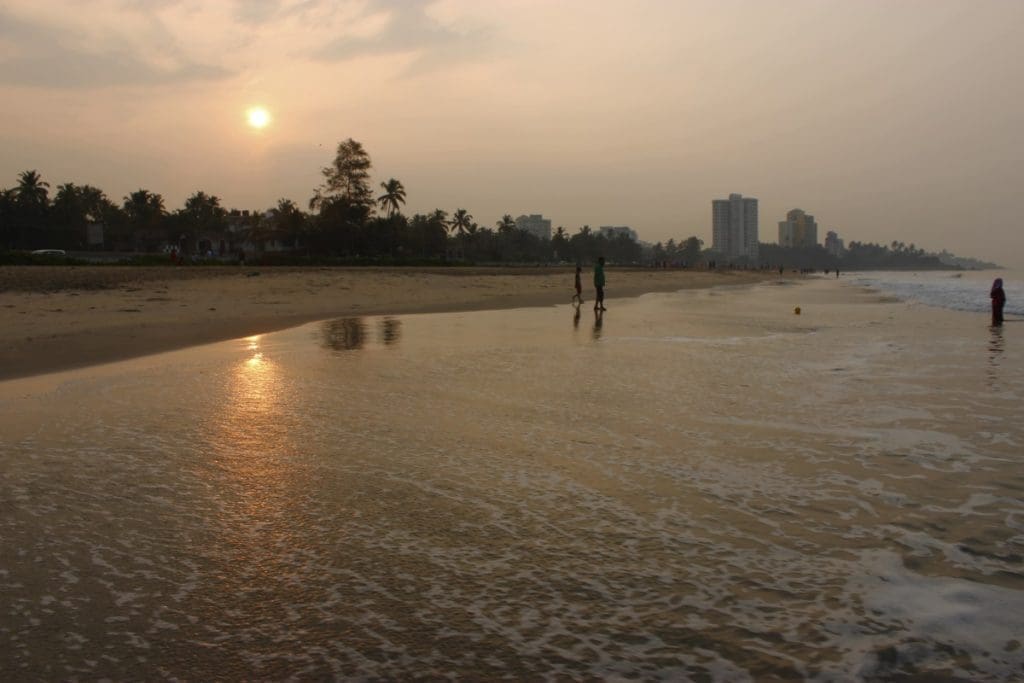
[(894, 119)]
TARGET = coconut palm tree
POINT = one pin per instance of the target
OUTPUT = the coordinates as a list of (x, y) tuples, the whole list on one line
[(439, 216), (506, 225), (461, 220), (393, 197), (145, 213), (31, 204), (32, 190)]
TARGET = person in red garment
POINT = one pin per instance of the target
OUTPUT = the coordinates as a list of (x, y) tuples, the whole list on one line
[(998, 301)]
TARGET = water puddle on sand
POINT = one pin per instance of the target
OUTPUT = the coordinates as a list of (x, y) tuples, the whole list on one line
[(700, 485)]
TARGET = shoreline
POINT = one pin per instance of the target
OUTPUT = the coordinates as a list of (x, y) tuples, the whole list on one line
[(63, 318)]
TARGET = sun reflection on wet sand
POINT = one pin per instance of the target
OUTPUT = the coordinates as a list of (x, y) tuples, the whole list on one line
[(698, 492), (254, 447)]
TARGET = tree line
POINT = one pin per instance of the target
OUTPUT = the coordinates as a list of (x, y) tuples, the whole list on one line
[(857, 256), (344, 220), (348, 220)]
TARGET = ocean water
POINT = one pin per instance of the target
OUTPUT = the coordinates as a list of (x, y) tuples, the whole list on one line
[(696, 486), (960, 291)]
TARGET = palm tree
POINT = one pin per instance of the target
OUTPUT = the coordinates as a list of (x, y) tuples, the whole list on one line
[(203, 212), (461, 220), (507, 224), (143, 204), (145, 212), (288, 221), (32, 190), (393, 197), (31, 205)]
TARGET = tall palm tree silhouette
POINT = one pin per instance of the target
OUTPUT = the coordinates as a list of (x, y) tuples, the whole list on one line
[(393, 197), (32, 190), (461, 220), (507, 224)]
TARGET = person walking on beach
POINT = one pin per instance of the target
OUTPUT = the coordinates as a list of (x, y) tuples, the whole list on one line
[(599, 284), (998, 301), (579, 284)]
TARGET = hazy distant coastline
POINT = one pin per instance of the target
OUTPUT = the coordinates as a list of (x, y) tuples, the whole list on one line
[(347, 224)]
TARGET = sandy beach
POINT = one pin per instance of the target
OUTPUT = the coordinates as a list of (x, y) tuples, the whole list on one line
[(57, 318), (697, 485)]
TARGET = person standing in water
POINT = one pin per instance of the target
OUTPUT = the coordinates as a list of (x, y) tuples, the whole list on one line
[(599, 284), (998, 301)]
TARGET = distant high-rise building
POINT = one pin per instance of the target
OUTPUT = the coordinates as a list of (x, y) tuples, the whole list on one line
[(535, 224), (833, 244), (734, 226), (613, 231), (798, 230)]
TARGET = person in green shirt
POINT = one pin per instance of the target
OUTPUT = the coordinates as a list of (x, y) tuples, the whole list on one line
[(599, 284)]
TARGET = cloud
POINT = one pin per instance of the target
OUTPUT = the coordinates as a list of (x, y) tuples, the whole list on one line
[(408, 28), (257, 11), (45, 55)]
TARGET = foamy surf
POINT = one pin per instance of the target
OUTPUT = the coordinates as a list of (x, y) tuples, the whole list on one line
[(508, 494)]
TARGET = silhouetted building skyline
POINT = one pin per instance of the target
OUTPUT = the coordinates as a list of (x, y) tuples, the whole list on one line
[(535, 224), (798, 230), (833, 244), (613, 231), (734, 226)]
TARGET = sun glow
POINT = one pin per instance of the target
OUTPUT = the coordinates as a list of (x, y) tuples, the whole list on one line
[(258, 117)]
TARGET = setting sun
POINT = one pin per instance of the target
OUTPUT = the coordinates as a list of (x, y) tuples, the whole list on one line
[(258, 117)]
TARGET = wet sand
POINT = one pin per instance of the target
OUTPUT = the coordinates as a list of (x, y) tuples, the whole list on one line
[(695, 486), (57, 318)]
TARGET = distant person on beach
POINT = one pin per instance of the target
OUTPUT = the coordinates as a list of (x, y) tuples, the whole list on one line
[(998, 301), (837, 273), (599, 284), (579, 284)]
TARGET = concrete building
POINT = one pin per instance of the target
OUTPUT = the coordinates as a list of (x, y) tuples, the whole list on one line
[(734, 227), (833, 244), (798, 230), (535, 224), (613, 231)]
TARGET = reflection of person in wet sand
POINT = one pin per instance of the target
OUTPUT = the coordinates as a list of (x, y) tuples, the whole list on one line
[(576, 317), (998, 301), (599, 284), (598, 322), (995, 352)]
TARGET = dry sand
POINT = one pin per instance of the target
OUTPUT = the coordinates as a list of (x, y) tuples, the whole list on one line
[(61, 317)]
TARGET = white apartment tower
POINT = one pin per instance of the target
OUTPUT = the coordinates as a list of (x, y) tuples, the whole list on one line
[(734, 227)]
